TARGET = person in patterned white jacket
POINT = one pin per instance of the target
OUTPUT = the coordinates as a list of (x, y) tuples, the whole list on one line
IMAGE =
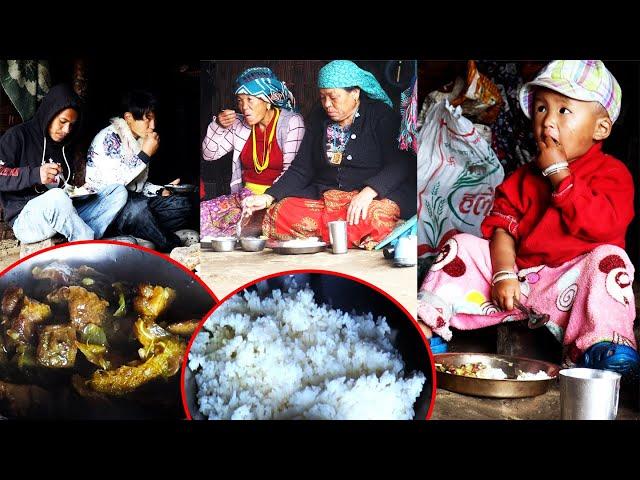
[(122, 153)]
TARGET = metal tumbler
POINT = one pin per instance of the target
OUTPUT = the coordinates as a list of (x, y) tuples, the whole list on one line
[(589, 394), (338, 236)]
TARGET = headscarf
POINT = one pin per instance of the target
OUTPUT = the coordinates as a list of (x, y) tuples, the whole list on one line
[(262, 83), (344, 74)]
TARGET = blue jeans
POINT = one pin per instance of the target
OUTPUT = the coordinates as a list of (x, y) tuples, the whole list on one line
[(83, 219)]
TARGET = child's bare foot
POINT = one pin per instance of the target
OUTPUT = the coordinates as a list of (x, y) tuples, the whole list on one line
[(427, 331)]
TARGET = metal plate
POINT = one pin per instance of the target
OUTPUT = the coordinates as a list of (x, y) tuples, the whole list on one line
[(505, 388), (181, 188), (81, 196), (277, 247)]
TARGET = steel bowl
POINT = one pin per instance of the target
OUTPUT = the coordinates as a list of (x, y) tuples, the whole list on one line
[(503, 388), (223, 244), (252, 244)]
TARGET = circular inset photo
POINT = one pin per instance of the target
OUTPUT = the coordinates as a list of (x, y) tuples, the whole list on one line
[(308, 345), (96, 330)]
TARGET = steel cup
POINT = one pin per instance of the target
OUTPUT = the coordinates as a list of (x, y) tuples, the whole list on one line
[(588, 394), (338, 236)]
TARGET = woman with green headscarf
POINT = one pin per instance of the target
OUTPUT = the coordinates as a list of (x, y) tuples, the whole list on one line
[(348, 167)]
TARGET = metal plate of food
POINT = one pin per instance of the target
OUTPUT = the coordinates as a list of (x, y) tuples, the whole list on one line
[(296, 247), (181, 188), (497, 376), (79, 193)]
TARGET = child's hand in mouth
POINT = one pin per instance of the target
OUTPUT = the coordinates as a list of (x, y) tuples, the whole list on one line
[(551, 151)]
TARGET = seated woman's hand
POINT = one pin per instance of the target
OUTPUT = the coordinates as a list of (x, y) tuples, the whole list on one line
[(503, 293), (359, 206), (226, 118), (254, 203)]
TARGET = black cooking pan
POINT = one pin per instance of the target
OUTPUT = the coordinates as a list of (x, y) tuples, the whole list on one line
[(122, 262), (349, 295)]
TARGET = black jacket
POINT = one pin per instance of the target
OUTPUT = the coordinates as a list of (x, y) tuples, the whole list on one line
[(21, 149), (372, 159)]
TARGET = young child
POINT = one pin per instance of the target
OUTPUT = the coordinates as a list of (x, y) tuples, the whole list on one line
[(554, 239)]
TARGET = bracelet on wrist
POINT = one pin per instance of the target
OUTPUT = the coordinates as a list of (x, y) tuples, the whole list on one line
[(503, 275), (555, 168), (500, 272), (553, 172)]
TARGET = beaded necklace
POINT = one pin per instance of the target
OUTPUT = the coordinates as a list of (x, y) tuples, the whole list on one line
[(266, 148)]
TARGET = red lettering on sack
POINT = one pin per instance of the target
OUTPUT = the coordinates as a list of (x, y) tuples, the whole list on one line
[(476, 203)]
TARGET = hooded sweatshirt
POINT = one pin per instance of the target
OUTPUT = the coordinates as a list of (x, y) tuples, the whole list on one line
[(25, 147)]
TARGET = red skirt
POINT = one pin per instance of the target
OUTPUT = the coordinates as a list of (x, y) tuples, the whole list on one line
[(295, 217)]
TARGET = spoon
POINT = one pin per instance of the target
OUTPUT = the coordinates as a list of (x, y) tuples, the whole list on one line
[(535, 319), (244, 219)]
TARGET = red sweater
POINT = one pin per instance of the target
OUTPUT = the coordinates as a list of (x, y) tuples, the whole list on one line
[(593, 206)]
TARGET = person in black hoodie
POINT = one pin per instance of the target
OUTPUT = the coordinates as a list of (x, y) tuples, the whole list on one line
[(34, 174), (348, 167)]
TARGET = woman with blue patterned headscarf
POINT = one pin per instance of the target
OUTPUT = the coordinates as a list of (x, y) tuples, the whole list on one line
[(261, 83), (349, 166), (264, 135)]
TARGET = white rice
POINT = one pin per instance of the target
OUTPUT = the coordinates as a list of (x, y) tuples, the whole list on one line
[(491, 373), (302, 242), (285, 357), (540, 375)]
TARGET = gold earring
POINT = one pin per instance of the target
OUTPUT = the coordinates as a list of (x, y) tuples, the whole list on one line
[(268, 106)]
